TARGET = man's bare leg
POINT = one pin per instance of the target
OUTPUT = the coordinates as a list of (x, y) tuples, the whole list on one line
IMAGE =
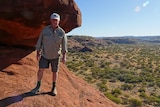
[(54, 79), (39, 78)]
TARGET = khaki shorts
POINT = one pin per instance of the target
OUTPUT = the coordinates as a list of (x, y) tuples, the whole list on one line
[(44, 63)]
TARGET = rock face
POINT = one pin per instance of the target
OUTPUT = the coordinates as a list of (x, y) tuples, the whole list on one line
[(18, 76), (22, 20)]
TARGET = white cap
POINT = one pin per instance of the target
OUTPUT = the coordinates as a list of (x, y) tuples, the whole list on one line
[(55, 16)]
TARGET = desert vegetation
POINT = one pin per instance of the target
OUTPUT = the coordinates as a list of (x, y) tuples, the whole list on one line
[(128, 74)]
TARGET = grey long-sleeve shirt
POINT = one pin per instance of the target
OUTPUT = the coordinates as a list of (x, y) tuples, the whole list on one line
[(52, 43)]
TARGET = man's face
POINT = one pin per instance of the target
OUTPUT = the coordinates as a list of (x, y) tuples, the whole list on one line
[(54, 23)]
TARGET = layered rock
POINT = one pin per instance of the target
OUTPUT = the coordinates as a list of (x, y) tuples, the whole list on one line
[(22, 20)]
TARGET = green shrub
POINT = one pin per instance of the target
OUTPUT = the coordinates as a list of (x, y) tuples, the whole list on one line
[(135, 103), (143, 95), (153, 100), (158, 82), (89, 78), (127, 87), (141, 90), (113, 98), (102, 87), (116, 92)]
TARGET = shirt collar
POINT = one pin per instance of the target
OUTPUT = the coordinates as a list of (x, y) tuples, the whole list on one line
[(55, 28)]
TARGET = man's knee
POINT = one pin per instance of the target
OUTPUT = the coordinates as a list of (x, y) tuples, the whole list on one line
[(40, 70)]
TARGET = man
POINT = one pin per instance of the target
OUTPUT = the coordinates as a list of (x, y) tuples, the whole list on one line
[(51, 43)]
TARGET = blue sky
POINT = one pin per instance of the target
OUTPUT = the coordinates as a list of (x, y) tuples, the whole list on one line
[(110, 18)]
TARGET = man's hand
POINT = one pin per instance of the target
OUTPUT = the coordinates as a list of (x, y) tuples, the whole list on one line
[(38, 55), (64, 60)]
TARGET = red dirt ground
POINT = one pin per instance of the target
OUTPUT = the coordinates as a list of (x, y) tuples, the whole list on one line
[(18, 68)]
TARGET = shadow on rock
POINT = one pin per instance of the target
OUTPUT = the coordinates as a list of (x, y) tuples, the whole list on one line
[(13, 99), (10, 55)]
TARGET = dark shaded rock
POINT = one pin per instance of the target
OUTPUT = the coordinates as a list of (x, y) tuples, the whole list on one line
[(85, 49)]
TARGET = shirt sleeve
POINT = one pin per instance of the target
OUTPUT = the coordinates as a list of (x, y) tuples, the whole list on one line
[(39, 42), (64, 44)]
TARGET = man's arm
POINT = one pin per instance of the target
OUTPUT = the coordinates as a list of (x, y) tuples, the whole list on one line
[(39, 46), (64, 49)]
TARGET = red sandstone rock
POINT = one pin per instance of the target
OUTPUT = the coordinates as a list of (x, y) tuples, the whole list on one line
[(18, 76), (22, 20)]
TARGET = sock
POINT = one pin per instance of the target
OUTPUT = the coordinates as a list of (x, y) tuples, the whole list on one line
[(53, 85), (38, 84)]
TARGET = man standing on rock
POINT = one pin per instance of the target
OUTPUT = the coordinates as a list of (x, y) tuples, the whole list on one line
[(51, 44)]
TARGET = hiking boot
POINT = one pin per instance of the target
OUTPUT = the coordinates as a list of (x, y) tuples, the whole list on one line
[(54, 91), (35, 91)]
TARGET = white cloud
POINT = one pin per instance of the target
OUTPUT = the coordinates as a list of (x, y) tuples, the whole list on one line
[(137, 9), (145, 4)]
